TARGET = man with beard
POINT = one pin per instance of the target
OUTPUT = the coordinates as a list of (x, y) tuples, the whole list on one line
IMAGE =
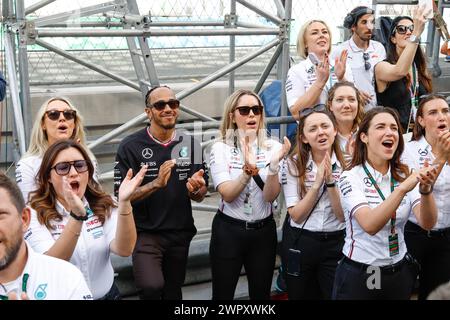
[(25, 274), (363, 52), (162, 204)]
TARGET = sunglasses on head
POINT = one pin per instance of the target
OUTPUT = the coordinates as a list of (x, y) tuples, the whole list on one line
[(161, 105), (366, 58), (401, 29), (63, 168), (55, 114), (245, 110), (307, 111)]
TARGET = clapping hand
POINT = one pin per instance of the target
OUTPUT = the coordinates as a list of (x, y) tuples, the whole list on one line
[(340, 65), (129, 184), (196, 182)]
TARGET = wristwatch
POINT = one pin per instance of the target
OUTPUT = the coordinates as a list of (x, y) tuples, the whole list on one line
[(414, 39), (79, 218)]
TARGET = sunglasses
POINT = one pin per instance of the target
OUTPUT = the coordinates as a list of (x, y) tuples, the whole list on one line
[(366, 58), (401, 29), (161, 105), (55, 114), (63, 168), (307, 111), (245, 110)]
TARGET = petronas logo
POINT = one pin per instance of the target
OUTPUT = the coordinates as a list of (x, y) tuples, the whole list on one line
[(40, 293)]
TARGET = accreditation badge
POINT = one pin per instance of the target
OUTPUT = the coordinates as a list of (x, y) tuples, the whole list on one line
[(393, 244)]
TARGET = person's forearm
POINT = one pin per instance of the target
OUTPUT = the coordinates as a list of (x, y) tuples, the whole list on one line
[(200, 195), (300, 211), (64, 246), (230, 190), (335, 201), (428, 212), (272, 188), (125, 238), (406, 59), (308, 99), (144, 191)]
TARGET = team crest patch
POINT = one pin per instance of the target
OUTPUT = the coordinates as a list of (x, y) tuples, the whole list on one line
[(184, 152), (39, 293)]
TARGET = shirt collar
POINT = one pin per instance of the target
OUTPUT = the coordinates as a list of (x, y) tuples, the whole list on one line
[(355, 48), (333, 158), (378, 176)]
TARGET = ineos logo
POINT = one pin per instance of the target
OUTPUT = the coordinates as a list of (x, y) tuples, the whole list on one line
[(147, 153)]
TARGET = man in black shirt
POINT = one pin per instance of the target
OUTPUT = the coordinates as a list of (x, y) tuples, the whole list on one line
[(162, 204)]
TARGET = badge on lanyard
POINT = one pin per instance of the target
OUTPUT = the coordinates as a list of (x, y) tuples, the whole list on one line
[(247, 204), (393, 244)]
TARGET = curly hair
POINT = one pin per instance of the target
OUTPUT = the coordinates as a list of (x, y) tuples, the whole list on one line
[(43, 199)]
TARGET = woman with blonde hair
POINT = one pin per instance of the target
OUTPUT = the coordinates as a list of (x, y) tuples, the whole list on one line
[(243, 230), (308, 82), (56, 119)]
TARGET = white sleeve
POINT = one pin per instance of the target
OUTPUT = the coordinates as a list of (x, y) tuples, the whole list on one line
[(408, 157), (414, 196), (26, 178), (352, 194), (218, 164), (295, 86), (38, 236), (110, 226), (290, 184), (78, 289)]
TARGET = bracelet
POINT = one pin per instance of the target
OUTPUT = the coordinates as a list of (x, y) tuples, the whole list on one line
[(427, 192), (126, 214), (79, 218), (70, 230), (330, 185), (250, 170)]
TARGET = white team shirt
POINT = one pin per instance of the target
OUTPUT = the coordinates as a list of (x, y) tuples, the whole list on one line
[(226, 164), (26, 174), (49, 278), (415, 154), (363, 79), (357, 191), (302, 76), (322, 218), (92, 252)]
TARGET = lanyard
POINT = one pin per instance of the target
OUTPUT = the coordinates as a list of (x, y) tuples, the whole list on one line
[(24, 286), (375, 184), (413, 94)]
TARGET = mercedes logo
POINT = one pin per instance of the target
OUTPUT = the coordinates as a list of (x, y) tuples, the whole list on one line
[(147, 153), (423, 152), (367, 182)]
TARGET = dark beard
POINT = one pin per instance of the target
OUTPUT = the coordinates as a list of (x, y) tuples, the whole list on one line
[(11, 254)]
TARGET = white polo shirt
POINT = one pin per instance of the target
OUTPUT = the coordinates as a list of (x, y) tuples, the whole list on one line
[(26, 173), (49, 278), (302, 76), (415, 154), (92, 252), (362, 78), (226, 164), (357, 191), (323, 217)]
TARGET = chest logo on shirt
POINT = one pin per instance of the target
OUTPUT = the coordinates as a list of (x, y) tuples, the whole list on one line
[(309, 168), (423, 152), (184, 152), (234, 152), (147, 153), (367, 182), (39, 293)]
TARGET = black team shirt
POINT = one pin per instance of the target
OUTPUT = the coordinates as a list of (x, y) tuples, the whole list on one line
[(169, 208)]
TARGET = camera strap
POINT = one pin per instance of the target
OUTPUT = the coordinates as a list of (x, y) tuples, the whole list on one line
[(297, 238)]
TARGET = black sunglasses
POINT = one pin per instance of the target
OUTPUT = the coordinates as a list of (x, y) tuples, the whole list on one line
[(401, 29), (54, 114), (161, 105), (63, 168), (245, 110), (307, 111), (366, 58)]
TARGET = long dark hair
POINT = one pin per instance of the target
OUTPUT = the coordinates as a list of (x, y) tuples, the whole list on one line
[(419, 57), (300, 154), (43, 199), (399, 171), (418, 130)]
